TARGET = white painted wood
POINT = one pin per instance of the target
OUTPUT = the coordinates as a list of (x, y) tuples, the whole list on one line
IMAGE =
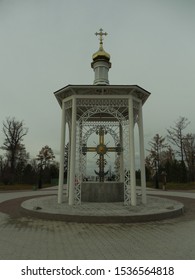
[(72, 153), (132, 153), (142, 156), (62, 150)]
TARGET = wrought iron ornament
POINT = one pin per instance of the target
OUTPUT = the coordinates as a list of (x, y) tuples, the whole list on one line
[(101, 149)]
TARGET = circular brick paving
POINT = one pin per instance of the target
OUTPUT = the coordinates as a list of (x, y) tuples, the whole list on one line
[(14, 210)]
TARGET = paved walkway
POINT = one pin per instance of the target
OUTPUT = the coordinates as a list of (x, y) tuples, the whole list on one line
[(23, 237)]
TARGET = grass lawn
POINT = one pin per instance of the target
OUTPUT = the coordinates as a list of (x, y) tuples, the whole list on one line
[(175, 186), (18, 187), (169, 186)]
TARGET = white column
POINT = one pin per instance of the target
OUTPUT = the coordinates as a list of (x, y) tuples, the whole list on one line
[(72, 153), (132, 153), (62, 151), (121, 154), (68, 167), (142, 156)]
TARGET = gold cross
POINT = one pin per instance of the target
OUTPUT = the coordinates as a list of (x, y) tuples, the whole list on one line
[(101, 149), (101, 33)]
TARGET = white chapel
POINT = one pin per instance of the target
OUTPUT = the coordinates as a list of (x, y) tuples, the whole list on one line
[(102, 109)]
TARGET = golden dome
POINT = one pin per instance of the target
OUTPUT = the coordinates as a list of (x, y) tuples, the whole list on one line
[(101, 54)]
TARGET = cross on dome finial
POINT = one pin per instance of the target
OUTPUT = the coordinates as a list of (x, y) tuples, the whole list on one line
[(101, 33)]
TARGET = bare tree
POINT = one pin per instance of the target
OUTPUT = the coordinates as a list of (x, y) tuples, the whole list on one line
[(14, 132), (176, 135), (44, 158), (21, 163), (154, 159), (189, 151)]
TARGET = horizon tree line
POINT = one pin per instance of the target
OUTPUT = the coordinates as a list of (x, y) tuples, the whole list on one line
[(173, 154), (16, 165)]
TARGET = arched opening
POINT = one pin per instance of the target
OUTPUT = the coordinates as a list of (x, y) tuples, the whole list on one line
[(93, 157)]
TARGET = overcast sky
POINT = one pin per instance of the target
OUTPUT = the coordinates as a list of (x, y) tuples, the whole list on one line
[(47, 44)]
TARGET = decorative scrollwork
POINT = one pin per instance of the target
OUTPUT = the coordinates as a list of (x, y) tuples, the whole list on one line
[(102, 102), (86, 125), (68, 104)]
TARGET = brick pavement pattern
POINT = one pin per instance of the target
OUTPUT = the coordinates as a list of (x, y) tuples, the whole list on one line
[(23, 237)]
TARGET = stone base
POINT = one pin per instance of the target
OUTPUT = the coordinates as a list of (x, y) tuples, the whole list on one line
[(102, 192), (46, 207)]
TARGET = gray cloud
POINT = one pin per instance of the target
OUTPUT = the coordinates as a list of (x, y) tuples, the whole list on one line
[(47, 44)]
